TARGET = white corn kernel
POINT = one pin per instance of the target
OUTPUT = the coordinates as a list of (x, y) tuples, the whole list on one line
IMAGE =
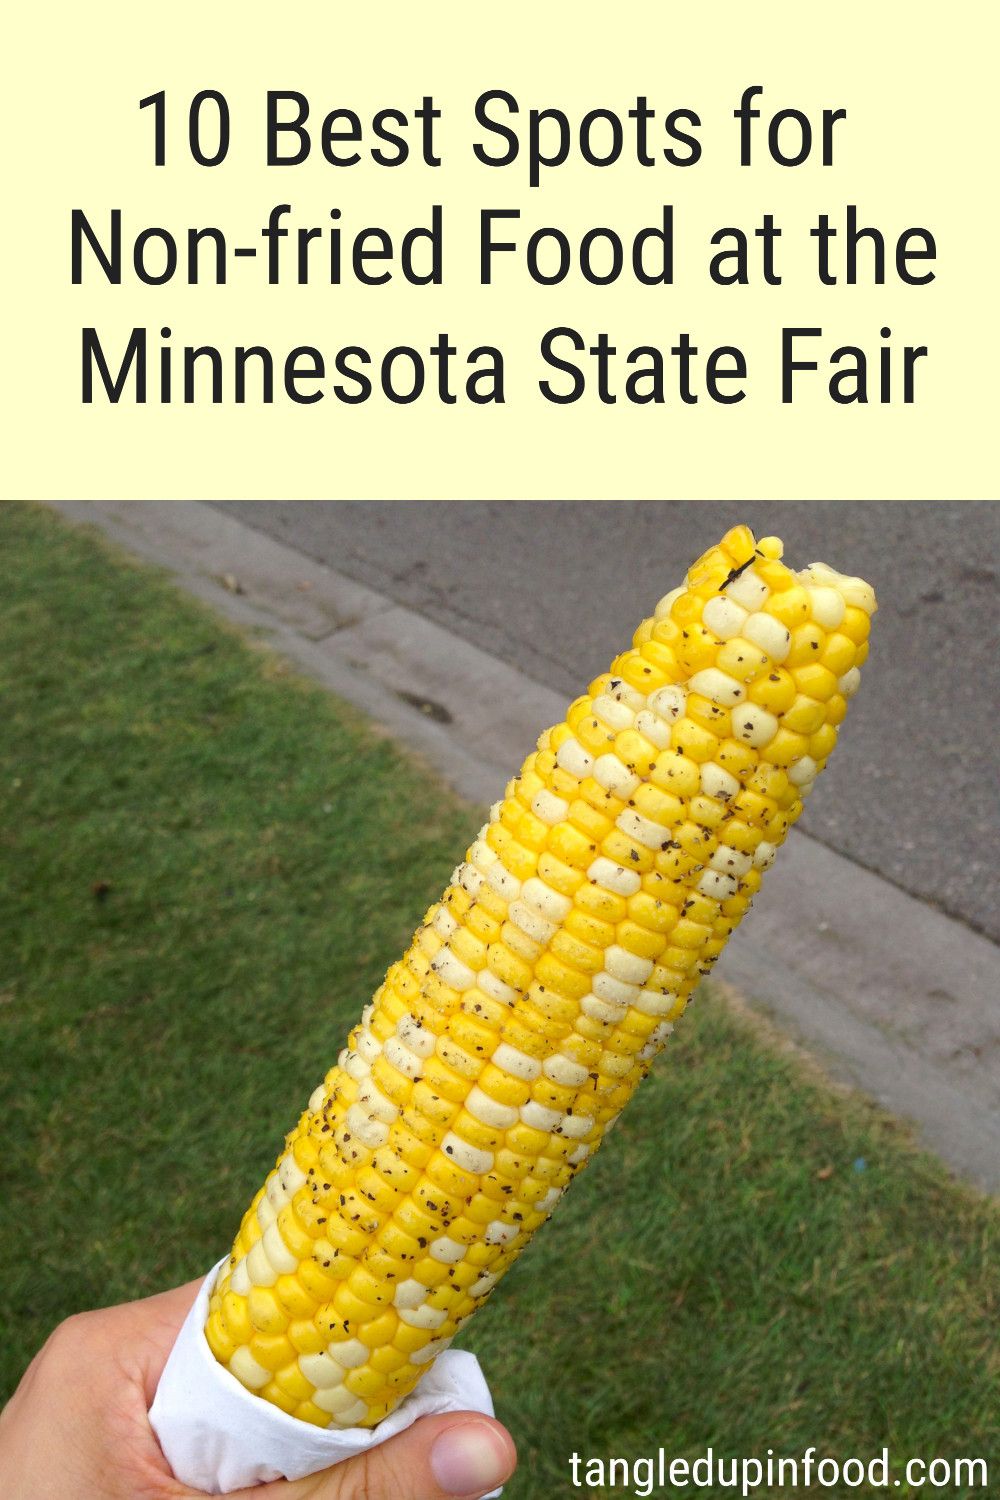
[(614, 776), (428, 1352), (749, 589), (495, 988), (803, 771), (374, 1102), (655, 729), (369, 1131), (468, 877), (549, 904), (348, 1413), (645, 832), (723, 617), (826, 605), (530, 923), (444, 922), (452, 970), (550, 808), (614, 877), (503, 882), (419, 1039), (423, 1316), (401, 1058), (610, 711), (764, 853), (623, 692), (718, 687), (463, 1155), (617, 991), (410, 1294), (511, 1060), (367, 1046), (731, 861), (602, 1010), (320, 1370), (655, 1002), (446, 1250), (488, 1112), (239, 1280), (339, 1402), (849, 683), (717, 782), (669, 702), (291, 1174), (259, 1268), (481, 855), (767, 633), (717, 885), (351, 1353), (857, 593), (247, 1371), (572, 757), (629, 967), (564, 1070), (539, 1117), (499, 1233), (754, 725), (276, 1195)]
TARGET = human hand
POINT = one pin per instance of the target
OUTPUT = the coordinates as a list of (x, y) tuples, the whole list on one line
[(77, 1427)]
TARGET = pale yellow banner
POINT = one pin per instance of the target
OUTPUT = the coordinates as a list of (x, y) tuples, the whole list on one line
[(899, 99)]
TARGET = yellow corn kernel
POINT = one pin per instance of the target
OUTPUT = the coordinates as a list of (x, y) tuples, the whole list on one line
[(639, 940), (279, 1397), (815, 680), (589, 929), (791, 606), (805, 715), (694, 741), (222, 1344), (742, 660), (775, 690), (271, 1350), (786, 747), (266, 1312), (807, 643)]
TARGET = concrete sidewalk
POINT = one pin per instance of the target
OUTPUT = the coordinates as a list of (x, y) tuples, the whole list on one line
[(895, 997)]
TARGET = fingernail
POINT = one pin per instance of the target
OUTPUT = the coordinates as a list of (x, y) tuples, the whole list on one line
[(471, 1459)]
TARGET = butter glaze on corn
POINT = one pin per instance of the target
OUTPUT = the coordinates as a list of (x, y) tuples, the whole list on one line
[(537, 991)]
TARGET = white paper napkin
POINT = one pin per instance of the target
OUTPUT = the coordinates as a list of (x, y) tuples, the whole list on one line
[(218, 1437)]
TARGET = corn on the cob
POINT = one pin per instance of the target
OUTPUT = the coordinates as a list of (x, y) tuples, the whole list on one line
[(535, 994)]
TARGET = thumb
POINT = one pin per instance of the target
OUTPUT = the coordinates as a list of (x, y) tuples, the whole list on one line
[(461, 1454)]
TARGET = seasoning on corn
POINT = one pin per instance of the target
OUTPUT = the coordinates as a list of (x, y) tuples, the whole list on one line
[(537, 991)]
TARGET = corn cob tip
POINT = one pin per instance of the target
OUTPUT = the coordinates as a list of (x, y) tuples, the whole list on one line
[(536, 993)]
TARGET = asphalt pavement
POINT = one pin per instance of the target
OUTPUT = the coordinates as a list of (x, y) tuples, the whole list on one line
[(554, 588)]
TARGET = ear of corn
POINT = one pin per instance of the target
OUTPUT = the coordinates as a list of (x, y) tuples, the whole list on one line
[(537, 991)]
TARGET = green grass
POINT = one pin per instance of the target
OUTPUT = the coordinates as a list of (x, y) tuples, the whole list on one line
[(205, 866)]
